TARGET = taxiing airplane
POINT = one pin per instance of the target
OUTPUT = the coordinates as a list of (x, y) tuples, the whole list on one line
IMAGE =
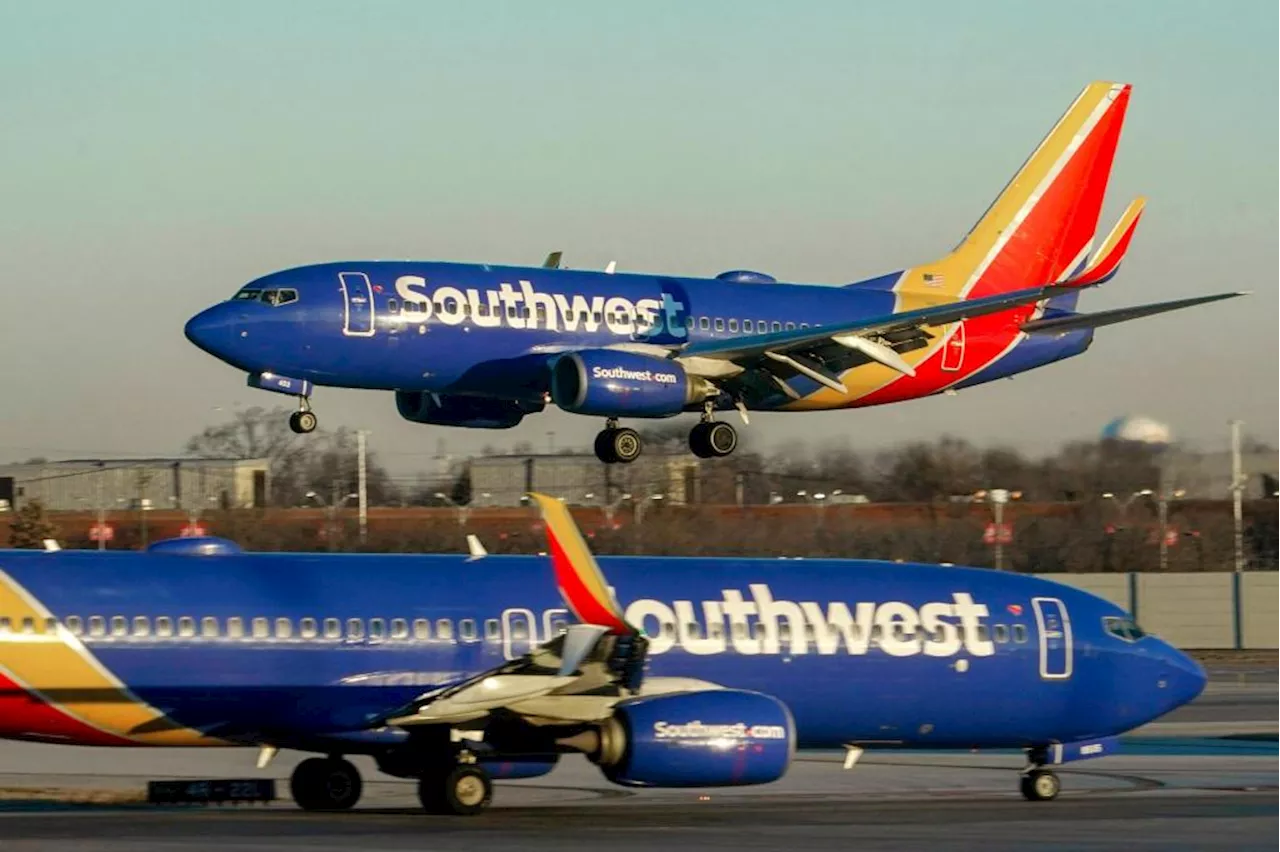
[(455, 670), (482, 346)]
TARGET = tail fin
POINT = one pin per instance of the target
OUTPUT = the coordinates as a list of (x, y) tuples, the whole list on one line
[(1039, 229)]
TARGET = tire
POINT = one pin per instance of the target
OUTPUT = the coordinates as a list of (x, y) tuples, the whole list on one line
[(1040, 785), (722, 439), (699, 444), (626, 445), (325, 784), (604, 447), (462, 790), (303, 422)]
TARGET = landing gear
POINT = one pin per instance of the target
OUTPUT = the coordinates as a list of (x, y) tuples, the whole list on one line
[(303, 421), (1040, 785), (713, 439), (464, 789), (325, 784), (618, 445)]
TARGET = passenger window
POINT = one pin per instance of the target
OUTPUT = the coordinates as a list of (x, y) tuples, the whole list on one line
[(688, 321), (73, 622), (719, 324), (984, 633), (467, 630), (119, 626), (355, 630), (704, 323), (164, 626), (209, 627), (668, 631), (757, 630), (141, 626), (746, 326), (393, 306), (284, 628), (399, 628), (791, 326), (307, 628), (332, 628), (784, 632), (235, 627), (377, 630), (1019, 633), (51, 626), (804, 325), (97, 626), (491, 629), (777, 326), (739, 630), (1001, 633), (733, 325), (186, 627), (421, 629), (261, 628), (597, 317), (444, 629)]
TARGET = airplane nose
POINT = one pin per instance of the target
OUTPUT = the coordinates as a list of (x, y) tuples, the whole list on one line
[(210, 330), (1185, 679)]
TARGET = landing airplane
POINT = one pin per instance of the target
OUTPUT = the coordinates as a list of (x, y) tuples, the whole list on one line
[(483, 346), (456, 670)]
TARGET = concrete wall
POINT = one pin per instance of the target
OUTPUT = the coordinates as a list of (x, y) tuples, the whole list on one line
[(1259, 603), (1201, 611)]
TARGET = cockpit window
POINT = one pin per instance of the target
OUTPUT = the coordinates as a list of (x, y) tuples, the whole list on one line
[(276, 298), (248, 295), (1122, 627)]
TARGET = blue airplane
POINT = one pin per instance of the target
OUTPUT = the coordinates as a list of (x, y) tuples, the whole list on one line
[(457, 670), (483, 346)]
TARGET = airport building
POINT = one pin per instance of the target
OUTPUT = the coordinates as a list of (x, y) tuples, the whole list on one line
[(191, 484)]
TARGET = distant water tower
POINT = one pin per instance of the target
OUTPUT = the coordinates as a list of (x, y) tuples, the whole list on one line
[(1139, 430)]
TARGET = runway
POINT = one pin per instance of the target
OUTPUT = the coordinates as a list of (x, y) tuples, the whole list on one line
[(1177, 785)]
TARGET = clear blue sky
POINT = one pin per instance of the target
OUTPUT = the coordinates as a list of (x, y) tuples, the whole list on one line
[(154, 156)]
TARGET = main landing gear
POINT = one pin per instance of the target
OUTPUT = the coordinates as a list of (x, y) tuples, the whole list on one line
[(1040, 785), (617, 445), (303, 421), (712, 438), (325, 784)]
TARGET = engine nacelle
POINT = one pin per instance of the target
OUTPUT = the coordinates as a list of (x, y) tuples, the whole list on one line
[(469, 411), (609, 383), (713, 738)]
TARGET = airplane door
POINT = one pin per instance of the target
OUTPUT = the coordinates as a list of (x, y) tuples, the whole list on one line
[(519, 633), (357, 297), (953, 350), (1055, 638)]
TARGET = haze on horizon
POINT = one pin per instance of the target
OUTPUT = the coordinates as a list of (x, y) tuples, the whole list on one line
[(156, 156)]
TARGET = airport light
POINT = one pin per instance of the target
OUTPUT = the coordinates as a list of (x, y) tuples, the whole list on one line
[(463, 512)]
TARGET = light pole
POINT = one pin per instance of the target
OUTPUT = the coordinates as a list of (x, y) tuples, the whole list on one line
[(611, 508), (1237, 497), (1123, 505), (331, 511), (1162, 506), (998, 497), (463, 511)]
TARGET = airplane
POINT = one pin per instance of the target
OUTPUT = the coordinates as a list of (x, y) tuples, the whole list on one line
[(483, 346), (458, 670)]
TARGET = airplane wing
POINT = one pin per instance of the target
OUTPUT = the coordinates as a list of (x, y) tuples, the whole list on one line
[(1072, 322), (577, 676), (874, 338)]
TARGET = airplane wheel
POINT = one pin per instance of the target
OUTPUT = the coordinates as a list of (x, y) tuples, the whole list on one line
[(713, 439), (464, 790), (1040, 785), (625, 445), (303, 422), (604, 447), (325, 784)]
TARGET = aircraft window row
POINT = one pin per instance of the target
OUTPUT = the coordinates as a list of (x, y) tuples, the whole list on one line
[(1122, 627), (748, 326), (1001, 633), (260, 627)]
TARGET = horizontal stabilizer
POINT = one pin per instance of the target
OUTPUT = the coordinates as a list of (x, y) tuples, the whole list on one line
[(1071, 322), (1105, 262)]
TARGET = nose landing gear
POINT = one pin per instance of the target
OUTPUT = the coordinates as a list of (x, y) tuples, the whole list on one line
[(303, 421), (1040, 785)]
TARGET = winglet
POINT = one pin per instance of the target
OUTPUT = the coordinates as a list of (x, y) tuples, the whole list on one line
[(553, 260), (1106, 261), (581, 583)]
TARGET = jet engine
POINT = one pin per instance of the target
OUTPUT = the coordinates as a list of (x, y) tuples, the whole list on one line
[(712, 738), (609, 383), (469, 411)]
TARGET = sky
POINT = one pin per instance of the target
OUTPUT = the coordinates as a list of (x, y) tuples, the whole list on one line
[(154, 156)]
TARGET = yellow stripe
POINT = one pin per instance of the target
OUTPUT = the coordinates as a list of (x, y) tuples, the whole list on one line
[(1133, 211), (57, 662)]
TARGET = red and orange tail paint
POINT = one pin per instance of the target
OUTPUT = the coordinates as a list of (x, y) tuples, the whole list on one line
[(1105, 262), (581, 583)]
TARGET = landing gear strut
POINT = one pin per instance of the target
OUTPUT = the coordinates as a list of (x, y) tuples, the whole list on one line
[(303, 421), (325, 784), (617, 445), (464, 789), (1040, 785), (712, 438)]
